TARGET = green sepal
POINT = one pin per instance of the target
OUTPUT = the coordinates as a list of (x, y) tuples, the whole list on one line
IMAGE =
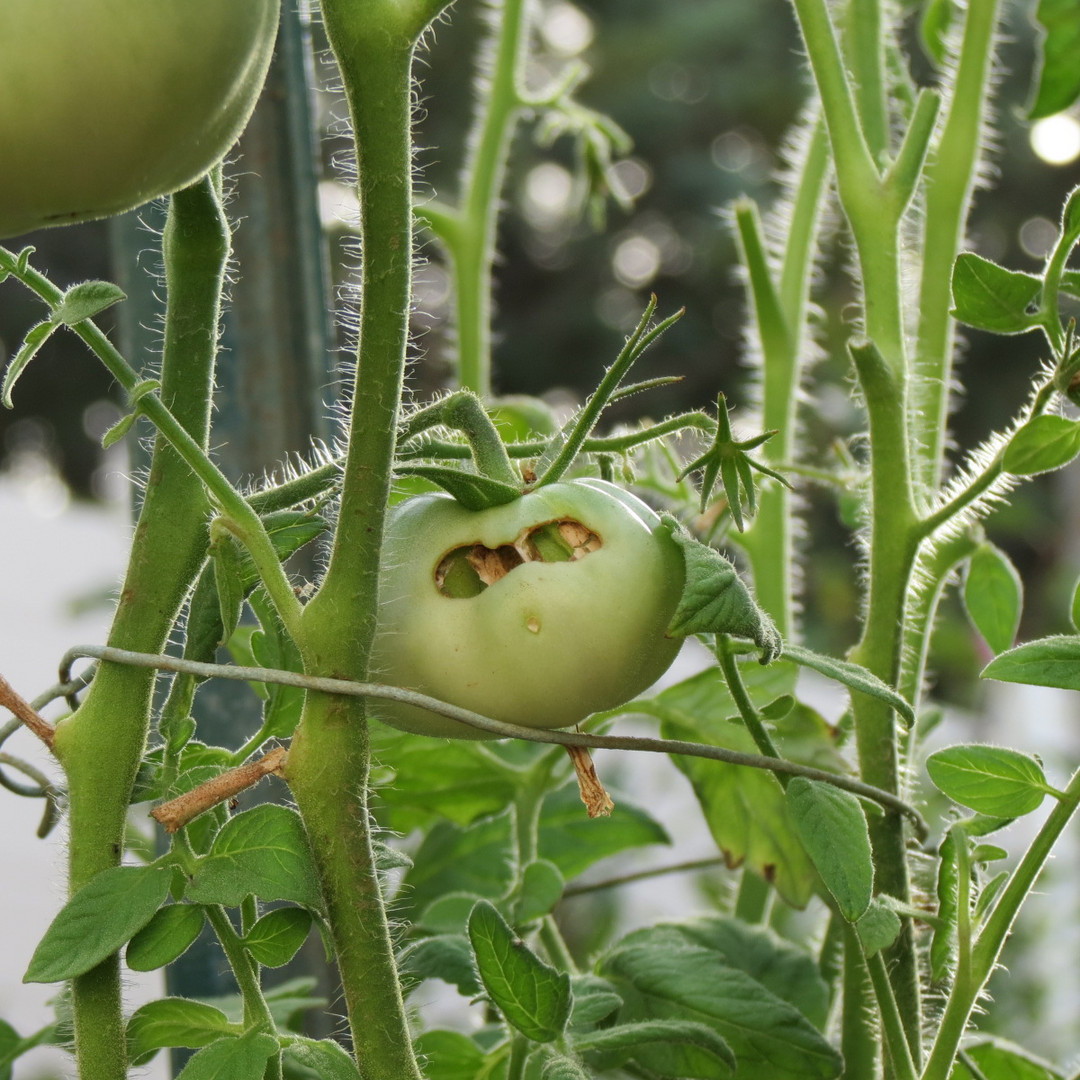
[(473, 491), (714, 598)]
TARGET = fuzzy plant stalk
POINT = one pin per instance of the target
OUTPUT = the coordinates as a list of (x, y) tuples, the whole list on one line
[(467, 231), (779, 301), (951, 173), (329, 760), (875, 195), (100, 745)]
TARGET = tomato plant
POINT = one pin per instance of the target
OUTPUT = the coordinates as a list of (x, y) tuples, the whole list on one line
[(536, 612), (105, 106)]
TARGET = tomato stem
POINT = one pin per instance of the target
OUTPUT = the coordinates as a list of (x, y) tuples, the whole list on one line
[(101, 744)]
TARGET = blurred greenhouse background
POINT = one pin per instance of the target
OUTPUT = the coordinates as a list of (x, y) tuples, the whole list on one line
[(706, 91)]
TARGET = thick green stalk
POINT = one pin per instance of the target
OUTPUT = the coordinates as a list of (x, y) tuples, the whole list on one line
[(101, 744), (950, 181), (893, 546), (859, 1043), (329, 761)]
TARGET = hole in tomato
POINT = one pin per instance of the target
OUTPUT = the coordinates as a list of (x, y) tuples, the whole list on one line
[(468, 570)]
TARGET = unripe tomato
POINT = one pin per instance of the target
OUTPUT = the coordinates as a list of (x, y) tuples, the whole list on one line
[(106, 104), (537, 612)]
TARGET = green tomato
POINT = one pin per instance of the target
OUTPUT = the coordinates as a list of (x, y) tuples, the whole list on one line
[(537, 612), (107, 104)]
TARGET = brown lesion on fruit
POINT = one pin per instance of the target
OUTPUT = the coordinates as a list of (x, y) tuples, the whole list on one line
[(470, 569)]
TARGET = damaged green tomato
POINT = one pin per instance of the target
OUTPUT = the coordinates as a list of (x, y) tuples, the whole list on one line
[(537, 612)]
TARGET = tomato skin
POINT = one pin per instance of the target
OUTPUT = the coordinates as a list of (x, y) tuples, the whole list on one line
[(107, 104), (549, 643)]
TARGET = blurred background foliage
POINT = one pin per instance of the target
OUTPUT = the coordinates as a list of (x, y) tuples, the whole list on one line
[(707, 91)]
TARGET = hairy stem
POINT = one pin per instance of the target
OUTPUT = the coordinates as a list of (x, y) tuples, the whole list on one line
[(329, 761), (950, 181), (101, 744), (782, 331), (471, 239)]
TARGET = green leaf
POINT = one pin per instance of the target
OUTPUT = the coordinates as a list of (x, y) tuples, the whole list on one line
[(541, 889), (103, 915), (998, 1060), (781, 967), (174, 1021), (449, 914), (595, 1000), (420, 781), (993, 596), (446, 956), (1074, 607), (324, 1057), (770, 1038), (36, 336), (477, 860), (262, 852), (1043, 444), (12, 1046), (9, 1040), (118, 430), (1070, 282), (715, 600), (661, 1033), (448, 1055), (471, 490), (878, 928), (989, 297), (169, 934), (533, 996), (277, 935), (87, 299), (1057, 84), (232, 1058), (228, 582), (832, 827), (1050, 661), (745, 809), (989, 779), (272, 648), (853, 676), (574, 842)]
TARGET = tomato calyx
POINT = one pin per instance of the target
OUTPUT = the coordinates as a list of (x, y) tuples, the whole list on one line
[(468, 570)]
